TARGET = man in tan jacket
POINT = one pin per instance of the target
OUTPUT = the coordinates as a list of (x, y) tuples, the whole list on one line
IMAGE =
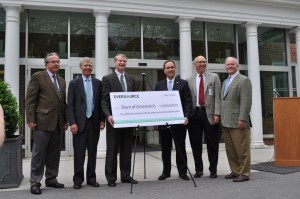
[(47, 117)]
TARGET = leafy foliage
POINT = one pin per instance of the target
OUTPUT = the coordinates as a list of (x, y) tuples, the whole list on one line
[(12, 117)]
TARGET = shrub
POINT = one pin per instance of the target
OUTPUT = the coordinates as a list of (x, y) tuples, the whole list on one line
[(12, 117)]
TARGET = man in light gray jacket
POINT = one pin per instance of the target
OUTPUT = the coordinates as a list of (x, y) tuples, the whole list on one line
[(206, 93)]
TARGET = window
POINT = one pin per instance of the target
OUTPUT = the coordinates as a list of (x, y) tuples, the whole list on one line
[(47, 32), (82, 42), (272, 47), (220, 39), (198, 39)]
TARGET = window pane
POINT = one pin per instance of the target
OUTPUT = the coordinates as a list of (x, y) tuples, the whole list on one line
[(47, 32), (272, 84), (2, 31), (242, 44), (23, 16), (161, 39), (124, 36), (197, 35), (271, 44), (220, 39), (82, 35)]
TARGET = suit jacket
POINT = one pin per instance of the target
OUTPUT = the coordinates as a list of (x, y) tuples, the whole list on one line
[(111, 83), (237, 101), (43, 104), (184, 92), (77, 104), (212, 94)]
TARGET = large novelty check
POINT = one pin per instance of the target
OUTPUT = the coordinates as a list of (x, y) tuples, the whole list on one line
[(149, 108)]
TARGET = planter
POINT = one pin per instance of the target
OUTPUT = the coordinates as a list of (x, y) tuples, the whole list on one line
[(11, 172)]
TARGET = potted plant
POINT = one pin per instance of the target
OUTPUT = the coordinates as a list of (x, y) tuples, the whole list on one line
[(11, 173)]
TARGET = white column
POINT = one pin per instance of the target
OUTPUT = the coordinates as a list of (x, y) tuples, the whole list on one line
[(101, 54), (186, 62), (254, 76), (12, 47), (298, 58), (101, 61)]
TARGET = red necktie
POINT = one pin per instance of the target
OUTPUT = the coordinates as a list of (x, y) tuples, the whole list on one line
[(201, 91)]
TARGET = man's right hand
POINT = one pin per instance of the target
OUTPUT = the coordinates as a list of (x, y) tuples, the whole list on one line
[(74, 128), (111, 121), (32, 125)]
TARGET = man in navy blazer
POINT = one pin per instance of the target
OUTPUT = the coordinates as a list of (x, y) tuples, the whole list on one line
[(86, 120), (179, 130), (117, 139)]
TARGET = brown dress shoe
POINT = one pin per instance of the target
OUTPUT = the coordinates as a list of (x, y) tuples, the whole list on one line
[(231, 175), (240, 178)]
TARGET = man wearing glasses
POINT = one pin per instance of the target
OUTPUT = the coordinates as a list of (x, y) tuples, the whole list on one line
[(206, 94), (47, 118)]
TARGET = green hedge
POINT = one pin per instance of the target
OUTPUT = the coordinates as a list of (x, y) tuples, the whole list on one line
[(12, 117)]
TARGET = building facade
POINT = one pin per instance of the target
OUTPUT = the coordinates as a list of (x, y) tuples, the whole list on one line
[(264, 35)]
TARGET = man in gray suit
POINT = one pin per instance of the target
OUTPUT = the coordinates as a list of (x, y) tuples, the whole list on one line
[(236, 101), (206, 93), (47, 117), (85, 120), (117, 139)]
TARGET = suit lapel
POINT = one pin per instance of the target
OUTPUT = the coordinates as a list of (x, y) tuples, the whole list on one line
[(49, 82), (81, 88), (116, 80), (232, 84), (193, 85), (94, 90), (207, 81), (176, 84)]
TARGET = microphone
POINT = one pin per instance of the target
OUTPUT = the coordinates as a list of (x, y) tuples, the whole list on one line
[(144, 74)]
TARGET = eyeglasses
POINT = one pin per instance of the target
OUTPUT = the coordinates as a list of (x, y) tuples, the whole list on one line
[(200, 62), (54, 62)]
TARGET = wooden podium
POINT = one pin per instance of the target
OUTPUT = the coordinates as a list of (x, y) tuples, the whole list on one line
[(287, 131)]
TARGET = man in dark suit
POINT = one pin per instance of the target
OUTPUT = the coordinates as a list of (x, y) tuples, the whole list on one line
[(47, 117), (85, 120), (236, 104), (179, 130), (206, 93), (117, 139)]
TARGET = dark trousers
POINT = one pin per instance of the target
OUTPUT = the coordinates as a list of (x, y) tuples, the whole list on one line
[(88, 139), (198, 124), (45, 153), (118, 140), (179, 132)]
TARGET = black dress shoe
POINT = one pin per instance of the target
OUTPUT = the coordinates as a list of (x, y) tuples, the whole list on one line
[(240, 178), (111, 184), (93, 184), (231, 175), (55, 185), (198, 174), (213, 175), (184, 177), (163, 176), (77, 186), (35, 189), (130, 180)]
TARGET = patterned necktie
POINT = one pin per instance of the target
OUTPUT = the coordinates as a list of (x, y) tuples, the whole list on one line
[(89, 98), (55, 85), (170, 86), (226, 84), (201, 91), (122, 83)]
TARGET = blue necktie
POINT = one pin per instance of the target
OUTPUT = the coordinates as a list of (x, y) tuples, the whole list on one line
[(170, 86), (226, 84), (89, 98)]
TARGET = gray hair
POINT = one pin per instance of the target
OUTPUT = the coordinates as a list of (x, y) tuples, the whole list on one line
[(85, 59)]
